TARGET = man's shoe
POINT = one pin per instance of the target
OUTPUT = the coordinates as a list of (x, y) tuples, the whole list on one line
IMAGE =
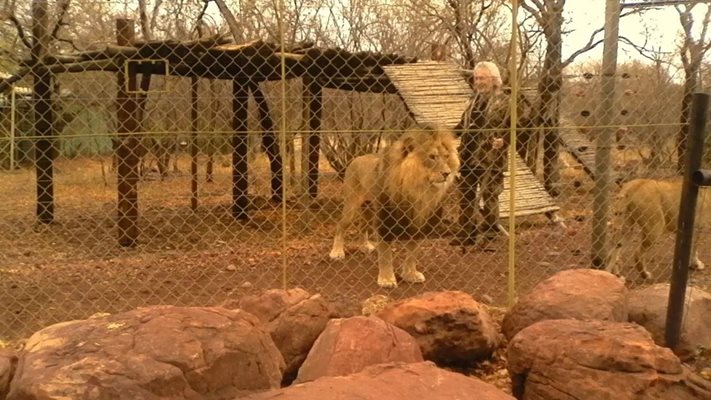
[(463, 241), (490, 233)]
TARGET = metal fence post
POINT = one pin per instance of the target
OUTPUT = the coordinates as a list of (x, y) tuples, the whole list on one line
[(685, 223)]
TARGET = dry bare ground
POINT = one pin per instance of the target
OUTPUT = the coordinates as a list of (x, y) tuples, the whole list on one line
[(74, 268)]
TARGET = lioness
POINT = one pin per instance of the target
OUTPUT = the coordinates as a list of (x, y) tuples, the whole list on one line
[(653, 206), (405, 184)]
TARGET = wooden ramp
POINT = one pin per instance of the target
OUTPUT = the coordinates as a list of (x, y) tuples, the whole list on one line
[(582, 149), (437, 92)]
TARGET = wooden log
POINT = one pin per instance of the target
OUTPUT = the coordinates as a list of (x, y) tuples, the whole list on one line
[(44, 145), (313, 143), (240, 181), (193, 143), (270, 143), (127, 149)]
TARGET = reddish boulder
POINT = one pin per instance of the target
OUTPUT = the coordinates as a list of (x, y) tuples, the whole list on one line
[(568, 359), (8, 363), (648, 307), (149, 353), (348, 345), (451, 327), (575, 293), (394, 381), (294, 319)]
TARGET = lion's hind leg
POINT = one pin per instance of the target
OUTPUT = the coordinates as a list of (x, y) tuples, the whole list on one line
[(612, 265), (367, 230), (409, 270), (351, 211), (620, 226), (652, 230), (386, 275), (696, 263)]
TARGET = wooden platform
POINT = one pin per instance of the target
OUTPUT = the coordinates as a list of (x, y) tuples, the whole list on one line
[(437, 92)]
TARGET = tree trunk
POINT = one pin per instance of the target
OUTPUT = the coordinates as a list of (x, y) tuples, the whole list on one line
[(549, 108)]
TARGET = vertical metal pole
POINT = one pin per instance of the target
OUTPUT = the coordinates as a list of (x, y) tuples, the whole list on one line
[(685, 223), (513, 104), (603, 161), (13, 105)]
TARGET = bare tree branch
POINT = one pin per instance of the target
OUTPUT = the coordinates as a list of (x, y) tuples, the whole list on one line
[(199, 20), (235, 29), (591, 44), (642, 50), (19, 29), (63, 7)]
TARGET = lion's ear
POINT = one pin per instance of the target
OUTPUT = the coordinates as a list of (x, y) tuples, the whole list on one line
[(408, 145)]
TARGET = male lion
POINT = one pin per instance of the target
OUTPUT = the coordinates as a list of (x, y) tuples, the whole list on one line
[(405, 184), (653, 206)]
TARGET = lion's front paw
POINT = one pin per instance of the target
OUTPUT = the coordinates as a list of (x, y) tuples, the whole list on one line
[(337, 254), (368, 246), (413, 277), (698, 265), (387, 282)]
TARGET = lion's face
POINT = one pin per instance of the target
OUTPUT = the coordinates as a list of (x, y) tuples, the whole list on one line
[(440, 163), (424, 160)]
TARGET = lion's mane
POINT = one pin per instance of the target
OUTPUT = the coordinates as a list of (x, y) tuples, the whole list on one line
[(413, 177)]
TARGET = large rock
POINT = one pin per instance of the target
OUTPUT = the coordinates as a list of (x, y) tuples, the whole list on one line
[(575, 293), (348, 345), (570, 359), (294, 319), (8, 363), (395, 381), (450, 327), (648, 307), (150, 353)]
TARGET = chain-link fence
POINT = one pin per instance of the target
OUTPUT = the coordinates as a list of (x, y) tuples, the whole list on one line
[(158, 161)]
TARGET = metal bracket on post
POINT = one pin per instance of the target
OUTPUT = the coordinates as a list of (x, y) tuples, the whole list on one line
[(701, 177), (139, 62)]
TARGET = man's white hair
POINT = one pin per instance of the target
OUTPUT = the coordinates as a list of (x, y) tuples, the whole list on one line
[(493, 70)]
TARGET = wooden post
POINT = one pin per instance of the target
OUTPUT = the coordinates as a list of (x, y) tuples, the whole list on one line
[(313, 143), (44, 145), (193, 143), (270, 143), (604, 142), (126, 151), (240, 181)]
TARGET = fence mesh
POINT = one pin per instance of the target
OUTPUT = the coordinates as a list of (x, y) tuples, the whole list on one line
[(177, 165)]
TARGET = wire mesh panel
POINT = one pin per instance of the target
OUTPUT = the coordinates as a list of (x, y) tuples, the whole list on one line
[(174, 153)]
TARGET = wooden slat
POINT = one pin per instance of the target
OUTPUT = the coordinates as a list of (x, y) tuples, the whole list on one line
[(437, 92)]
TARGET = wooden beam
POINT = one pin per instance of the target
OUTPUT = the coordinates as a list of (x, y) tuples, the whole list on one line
[(366, 83)]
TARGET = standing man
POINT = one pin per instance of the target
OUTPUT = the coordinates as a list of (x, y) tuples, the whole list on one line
[(483, 130)]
